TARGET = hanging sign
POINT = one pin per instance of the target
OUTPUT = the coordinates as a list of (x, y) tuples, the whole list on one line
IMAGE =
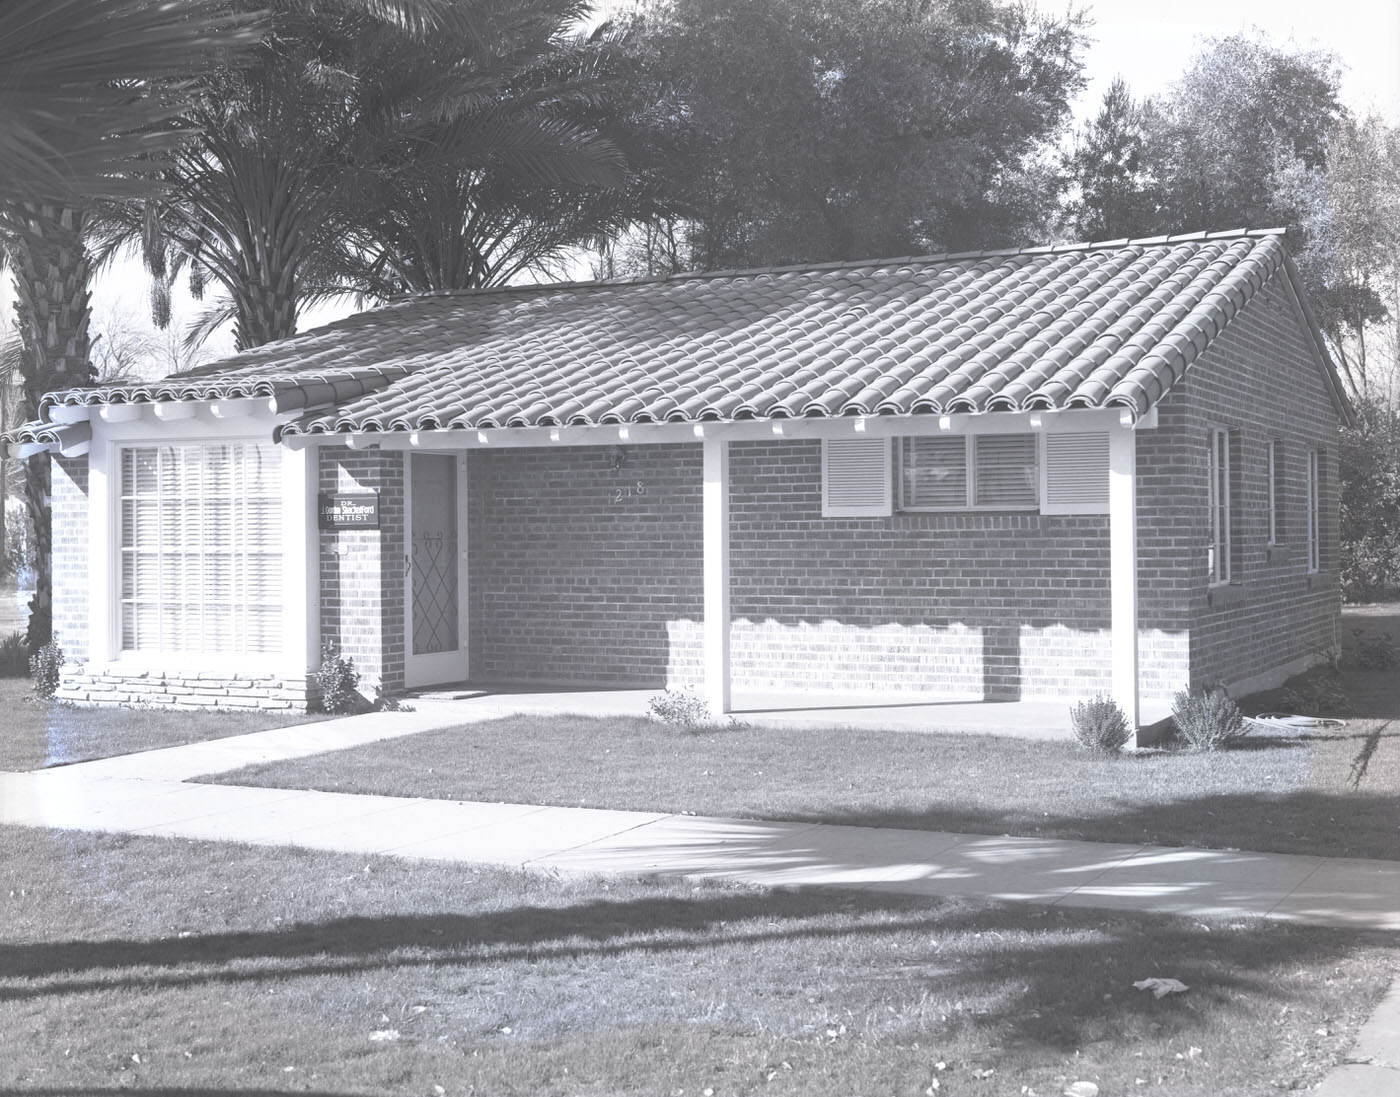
[(348, 510)]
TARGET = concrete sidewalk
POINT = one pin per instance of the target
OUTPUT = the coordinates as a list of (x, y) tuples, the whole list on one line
[(111, 796)]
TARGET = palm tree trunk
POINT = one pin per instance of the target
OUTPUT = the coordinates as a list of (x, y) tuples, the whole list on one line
[(52, 274)]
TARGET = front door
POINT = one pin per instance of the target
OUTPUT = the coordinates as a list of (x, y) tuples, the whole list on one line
[(435, 598)]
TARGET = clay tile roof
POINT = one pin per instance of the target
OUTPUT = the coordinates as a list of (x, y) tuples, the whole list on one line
[(1088, 325)]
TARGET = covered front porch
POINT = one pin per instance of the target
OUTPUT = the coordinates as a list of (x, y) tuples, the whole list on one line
[(668, 555)]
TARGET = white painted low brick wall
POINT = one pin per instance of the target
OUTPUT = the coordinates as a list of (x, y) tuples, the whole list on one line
[(204, 689)]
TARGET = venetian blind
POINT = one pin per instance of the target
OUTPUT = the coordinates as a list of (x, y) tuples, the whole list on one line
[(201, 548)]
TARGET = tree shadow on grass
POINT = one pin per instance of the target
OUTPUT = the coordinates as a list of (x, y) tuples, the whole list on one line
[(1302, 822), (1043, 976), (165, 1091)]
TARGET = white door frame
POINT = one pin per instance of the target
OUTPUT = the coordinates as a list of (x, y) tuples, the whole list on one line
[(445, 666)]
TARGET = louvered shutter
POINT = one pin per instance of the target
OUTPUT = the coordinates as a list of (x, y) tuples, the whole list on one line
[(1003, 470), (856, 478), (1076, 473)]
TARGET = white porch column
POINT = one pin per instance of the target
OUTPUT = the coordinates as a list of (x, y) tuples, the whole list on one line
[(1122, 551), (716, 584), (301, 616)]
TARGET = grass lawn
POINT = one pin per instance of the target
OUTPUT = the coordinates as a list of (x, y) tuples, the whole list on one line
[(43, 733), (1334, 793), (141, 963)]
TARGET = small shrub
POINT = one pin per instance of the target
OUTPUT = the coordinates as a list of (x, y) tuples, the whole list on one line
[(1374, 652), (681, 708), (390, 702), (1100, 725), (336, 680), (1317, 692), (1208, 718), (46, 668), (14, 656)]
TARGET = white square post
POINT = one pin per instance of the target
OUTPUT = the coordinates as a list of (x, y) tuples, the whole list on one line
[(301, 618), (1122, 552), (715, 528)]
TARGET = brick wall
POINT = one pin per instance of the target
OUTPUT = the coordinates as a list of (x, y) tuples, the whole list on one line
[(362, 571), (577, 576), (68, 478), (997, 605), (1259, 379), (582, 562)]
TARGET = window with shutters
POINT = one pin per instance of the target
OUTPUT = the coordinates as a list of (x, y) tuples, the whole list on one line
[(977, 472), (201, 549)]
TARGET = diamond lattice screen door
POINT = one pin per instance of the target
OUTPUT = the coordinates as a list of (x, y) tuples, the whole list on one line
[(436, 648)]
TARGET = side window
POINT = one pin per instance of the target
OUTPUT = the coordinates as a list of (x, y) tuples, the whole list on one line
[(1278, 493), (1314, 508), (1222, 550)]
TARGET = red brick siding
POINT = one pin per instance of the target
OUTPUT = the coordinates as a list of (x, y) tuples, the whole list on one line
[(1259, 379), (569, 583), (575, 574), (362, 571), (1000, 605)]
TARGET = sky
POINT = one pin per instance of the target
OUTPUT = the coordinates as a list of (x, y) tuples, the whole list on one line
[(1147, 42)]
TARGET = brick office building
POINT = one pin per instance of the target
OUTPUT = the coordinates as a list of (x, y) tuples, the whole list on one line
[(1040, 473)]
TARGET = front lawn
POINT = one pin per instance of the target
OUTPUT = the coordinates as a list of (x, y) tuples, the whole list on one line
[(147, 963), (1331, 792), (35, 733)]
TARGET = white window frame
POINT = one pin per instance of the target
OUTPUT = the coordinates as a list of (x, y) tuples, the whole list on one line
[(970, 478), (1220, 547), (1271, 475), (1314, 504), (235, 659)]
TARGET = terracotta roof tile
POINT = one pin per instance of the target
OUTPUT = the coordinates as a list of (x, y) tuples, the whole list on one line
[(1089, 325)]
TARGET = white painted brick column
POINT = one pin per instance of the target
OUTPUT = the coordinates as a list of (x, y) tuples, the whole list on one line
[(1122, 536), (716, 578)]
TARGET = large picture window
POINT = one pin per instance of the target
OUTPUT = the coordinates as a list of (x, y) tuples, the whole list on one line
[(201, 549)]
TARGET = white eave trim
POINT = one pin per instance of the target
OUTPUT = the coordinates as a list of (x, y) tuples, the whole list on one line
[(872, 426)]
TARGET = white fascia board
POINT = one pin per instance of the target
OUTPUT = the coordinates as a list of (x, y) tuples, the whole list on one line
[(873, 426), (202, 426)]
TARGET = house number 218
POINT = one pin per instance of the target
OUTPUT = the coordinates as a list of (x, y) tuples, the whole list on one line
[(629, 490)]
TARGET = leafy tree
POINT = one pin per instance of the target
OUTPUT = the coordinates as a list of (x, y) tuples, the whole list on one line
[(1242, 139), (1370, 503), (1242, 116), (781, 131), (1115, 190), (1354, 228)]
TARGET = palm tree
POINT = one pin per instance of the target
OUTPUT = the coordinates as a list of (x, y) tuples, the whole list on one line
[(88, 92), (352, 155)]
